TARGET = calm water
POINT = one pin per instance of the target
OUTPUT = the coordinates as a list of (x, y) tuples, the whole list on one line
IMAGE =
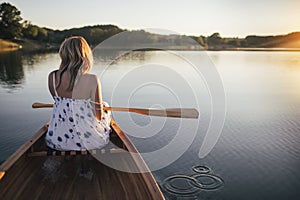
[(257, 155)]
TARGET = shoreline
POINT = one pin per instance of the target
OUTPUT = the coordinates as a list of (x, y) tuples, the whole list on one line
[(26, 45), (213, 49), (257, 49)]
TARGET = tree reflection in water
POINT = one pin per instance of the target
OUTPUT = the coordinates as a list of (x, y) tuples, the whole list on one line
[(11, 70)]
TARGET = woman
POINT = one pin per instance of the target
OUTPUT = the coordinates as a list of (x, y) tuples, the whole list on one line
[(78, 121)]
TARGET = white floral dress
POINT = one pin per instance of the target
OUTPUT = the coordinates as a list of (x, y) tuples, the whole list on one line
[(73, 125)]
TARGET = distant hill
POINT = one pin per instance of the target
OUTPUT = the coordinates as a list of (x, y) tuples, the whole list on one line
[(216, 42), (94, 34), (291, 40)]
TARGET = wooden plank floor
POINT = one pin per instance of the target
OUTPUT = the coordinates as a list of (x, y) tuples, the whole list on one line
[(76, 177), (71, 177)]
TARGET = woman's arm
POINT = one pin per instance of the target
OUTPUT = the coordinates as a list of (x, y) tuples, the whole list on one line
[(50, 83), (98, 100)]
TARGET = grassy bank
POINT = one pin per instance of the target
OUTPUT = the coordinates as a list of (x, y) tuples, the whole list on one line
[(26, 45), (34, 45), (6, 45)]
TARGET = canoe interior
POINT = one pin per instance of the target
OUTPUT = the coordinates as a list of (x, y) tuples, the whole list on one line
[(77, 177)]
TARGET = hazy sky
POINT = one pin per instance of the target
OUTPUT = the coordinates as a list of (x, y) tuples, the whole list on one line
[(191, 17)]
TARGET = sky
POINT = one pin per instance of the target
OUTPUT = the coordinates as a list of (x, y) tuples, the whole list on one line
[(231, 18)]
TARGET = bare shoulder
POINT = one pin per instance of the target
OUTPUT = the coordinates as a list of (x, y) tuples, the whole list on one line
[(51, 73), (50, 82), (92, 78), (50, 76), (88, 75)]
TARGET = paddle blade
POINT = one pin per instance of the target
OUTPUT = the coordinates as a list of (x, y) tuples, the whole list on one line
[(2, 173)]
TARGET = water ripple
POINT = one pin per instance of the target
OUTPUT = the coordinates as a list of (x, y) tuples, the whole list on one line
[(191, 184)]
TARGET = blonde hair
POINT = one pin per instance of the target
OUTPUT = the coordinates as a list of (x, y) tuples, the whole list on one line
[(76, 58)]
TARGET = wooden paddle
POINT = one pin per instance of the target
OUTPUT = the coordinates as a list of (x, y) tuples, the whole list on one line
[(169, 112)]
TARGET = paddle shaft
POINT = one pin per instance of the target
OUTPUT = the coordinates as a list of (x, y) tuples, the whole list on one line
[(49, 105), (169, 112)]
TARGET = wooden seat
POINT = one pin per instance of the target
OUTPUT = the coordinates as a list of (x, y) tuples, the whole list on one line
[(51, 152)]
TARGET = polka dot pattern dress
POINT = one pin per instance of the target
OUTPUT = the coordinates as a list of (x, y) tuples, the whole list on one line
[(73, 125)]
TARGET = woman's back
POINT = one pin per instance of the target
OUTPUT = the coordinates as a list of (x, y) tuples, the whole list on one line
[(85, 86), (77, 121), (73, 125)]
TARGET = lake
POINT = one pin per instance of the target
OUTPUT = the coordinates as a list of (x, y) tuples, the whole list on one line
[(257, 155)]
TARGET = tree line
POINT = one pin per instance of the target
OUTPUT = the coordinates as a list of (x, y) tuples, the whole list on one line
[(13, 27)]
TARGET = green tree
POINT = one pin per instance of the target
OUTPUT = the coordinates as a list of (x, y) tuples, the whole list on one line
[(202, 41), (30, 31), (42, 34), (10, 26), (214, 40)]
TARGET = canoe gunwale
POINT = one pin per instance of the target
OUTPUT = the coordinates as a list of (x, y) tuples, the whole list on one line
[(22, 150), (146, 173)]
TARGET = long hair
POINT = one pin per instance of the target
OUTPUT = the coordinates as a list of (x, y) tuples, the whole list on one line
[(76, 58)]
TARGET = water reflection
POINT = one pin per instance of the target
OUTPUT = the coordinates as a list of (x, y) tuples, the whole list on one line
[(11, 70), (115, 56), (32, 59), (105, 55)]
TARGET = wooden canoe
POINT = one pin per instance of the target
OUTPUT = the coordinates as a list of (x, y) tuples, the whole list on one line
[(34, 173)]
